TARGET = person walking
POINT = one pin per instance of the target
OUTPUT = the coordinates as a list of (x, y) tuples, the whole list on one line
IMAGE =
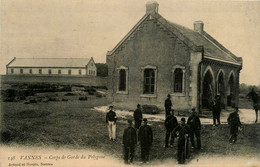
[(234, 123), (168, 105), (138, 116), (129, 142), (111, 123), (195, 127), (183, 141), (145, 137), (170, 123)]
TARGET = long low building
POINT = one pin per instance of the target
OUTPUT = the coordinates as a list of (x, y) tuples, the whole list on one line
[(52, 66)]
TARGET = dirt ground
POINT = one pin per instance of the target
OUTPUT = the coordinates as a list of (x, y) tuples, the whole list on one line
[(77, 125)]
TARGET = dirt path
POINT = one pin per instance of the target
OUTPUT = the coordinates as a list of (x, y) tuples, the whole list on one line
[(247, 116)]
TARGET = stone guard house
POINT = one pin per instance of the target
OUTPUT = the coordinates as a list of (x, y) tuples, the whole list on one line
[(158, 57)]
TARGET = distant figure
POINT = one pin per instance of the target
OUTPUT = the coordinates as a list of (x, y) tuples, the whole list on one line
[(129, 142), (183, 141), (111, 123), (145, 137), (234, 123), (216, 110), (255, 98), (170, 123), (138, 116), (168, 105), (195, 127)]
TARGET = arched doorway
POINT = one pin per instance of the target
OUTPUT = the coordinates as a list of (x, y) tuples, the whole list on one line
[(207, 90), (221, 88), (230, 96)]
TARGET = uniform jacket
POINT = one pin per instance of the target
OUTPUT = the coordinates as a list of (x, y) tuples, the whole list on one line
[(111, 116), (233, 119), (145, 135), (170, 122), (183, 131), (168, 104), (194, 122), (129, 137), (138, 116)]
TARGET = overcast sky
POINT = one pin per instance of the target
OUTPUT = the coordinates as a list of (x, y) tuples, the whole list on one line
[(84, 28)]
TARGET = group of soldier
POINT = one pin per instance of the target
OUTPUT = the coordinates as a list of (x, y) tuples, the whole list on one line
[(185, 132)]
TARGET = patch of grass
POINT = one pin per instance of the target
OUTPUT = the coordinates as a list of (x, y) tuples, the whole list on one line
[(75, 125)]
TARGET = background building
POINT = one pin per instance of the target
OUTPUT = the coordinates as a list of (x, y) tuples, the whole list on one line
[(52, 66), (158, 57)]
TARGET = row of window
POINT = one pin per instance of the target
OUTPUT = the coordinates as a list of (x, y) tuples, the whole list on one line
[(149, 80), (49, 71)]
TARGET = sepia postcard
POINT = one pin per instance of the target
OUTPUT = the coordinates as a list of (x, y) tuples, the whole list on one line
[(107, 83)]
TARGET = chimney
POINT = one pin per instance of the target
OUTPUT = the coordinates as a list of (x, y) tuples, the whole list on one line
[(198, 26), (152, 7)]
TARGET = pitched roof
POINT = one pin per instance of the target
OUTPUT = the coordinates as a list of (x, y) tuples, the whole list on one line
[(49, 62), (194, 40)]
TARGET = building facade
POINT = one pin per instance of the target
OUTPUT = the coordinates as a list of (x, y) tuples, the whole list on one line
[(52, 66), (158, 57)]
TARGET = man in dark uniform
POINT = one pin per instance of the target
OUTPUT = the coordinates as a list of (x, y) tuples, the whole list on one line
[(216, 109), (168, 105), (145, 137), (170, 123), (234, 123), (138, 116), (195, 127), (183, 142), (111, 123), (254, 96), (130, 142)]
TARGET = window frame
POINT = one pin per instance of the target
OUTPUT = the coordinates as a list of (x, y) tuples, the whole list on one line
[(182, 93), (126, 78), (149, 95)]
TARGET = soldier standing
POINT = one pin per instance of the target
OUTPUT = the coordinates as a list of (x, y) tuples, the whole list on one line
[(170, 123), (253, 95), (145, 137), (234, 123), (138, 116), (216, 109), (183, 142), (111, 123), (195, 127), (129, 142), (168, 105)]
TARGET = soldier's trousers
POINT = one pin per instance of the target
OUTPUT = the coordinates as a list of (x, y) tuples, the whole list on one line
[(197, 134), (137, 124), (233, 134), (216, 116), (127, 151), (167, 112), (145, 151), (182, 153), (167, 136)]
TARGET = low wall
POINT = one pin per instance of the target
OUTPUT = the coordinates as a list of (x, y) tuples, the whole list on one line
[(82, 80)]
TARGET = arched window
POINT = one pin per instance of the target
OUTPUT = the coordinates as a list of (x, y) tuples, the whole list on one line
[(122, 80), (178, 79), (149, 81)]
